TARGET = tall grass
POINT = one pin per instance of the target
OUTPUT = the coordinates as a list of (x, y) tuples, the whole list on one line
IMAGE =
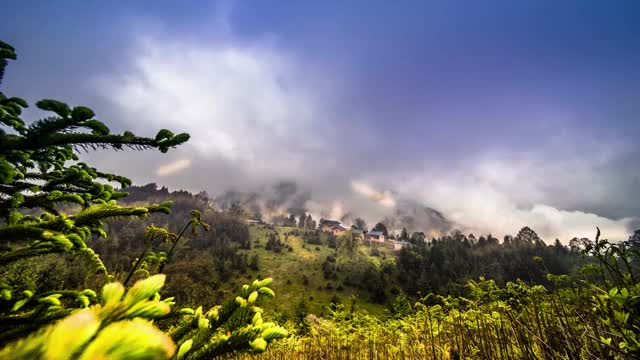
[(573, 319)]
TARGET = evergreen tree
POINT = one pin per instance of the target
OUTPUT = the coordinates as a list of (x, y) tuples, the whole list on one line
[(634, 247), (291, 221), (302, 221), (359, 223), (417, 238), (310, 223), (39, 171)]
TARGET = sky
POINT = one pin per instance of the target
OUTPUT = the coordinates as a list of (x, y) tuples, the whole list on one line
[(498, 114)]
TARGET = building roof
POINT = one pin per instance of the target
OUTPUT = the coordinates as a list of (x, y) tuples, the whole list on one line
[(329, 222), (336, 226), (375, 233)]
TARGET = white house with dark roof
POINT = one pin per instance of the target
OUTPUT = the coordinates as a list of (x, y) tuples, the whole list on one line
[(332, 226), (376, 236)]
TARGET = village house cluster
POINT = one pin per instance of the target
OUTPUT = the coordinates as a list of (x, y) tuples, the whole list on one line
[(337, 229)]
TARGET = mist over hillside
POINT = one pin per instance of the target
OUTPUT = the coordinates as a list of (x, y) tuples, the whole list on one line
[(289, 197)]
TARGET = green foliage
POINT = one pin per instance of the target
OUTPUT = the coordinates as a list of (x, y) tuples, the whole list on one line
[(400, 306), (580, 317), (118, 327), (69, 323), (35, 174), (235, 325), (300, 312), (617, 297)]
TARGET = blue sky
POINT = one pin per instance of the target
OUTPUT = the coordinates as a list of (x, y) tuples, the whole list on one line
[(498, 113)]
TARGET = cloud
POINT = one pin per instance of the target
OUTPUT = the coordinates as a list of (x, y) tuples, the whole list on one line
[(251, 104), (547, 189), (259, 113), (173, 167), (260, 118), (383, 198)]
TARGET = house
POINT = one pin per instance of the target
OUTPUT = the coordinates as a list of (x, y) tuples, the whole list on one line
[(376, 236), (398, 245), (254, 222), (332, 226)]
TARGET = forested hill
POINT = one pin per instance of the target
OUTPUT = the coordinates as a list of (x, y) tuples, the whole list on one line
[(326, 268)]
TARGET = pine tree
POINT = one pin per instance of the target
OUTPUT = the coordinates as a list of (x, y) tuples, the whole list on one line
[(310, 223), (302, 221), (291, 221), (39, 171), (404, 235)]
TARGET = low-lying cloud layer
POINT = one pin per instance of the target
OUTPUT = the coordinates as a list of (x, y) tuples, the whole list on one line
[(548, 190), (259, 114)]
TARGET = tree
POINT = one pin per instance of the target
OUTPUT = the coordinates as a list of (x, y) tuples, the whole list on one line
[(508, 239), (634, 239), (404, 235), (35, 178), (236, 210), (310, 223), (254, 262), (558, 247), (575, 245), (291, 221), (360, 224), (300, 312), (417, 238), (302, 222), (347, 244), (381, 227), (482, 241), (526, 235), (634, 245)]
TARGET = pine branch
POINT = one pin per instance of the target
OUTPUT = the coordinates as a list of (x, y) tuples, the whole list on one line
[(89, 140)]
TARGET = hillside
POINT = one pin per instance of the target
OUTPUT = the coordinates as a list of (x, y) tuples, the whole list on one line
[(299, 271), (307, 263)]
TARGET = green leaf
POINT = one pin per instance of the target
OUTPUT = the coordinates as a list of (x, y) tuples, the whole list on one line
[(97, 127), (82, 113), (69, 335), (144, 289), (130, 340), (57, 107), (184, 349), (258, 345), (112, 293)]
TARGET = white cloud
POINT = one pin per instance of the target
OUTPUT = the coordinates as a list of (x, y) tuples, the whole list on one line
[(250, 104), (257, 113), (383, 198), (173, 167), (502, 192)]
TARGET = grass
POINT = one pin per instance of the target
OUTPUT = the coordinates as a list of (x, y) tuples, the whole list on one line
[(290, 268)]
